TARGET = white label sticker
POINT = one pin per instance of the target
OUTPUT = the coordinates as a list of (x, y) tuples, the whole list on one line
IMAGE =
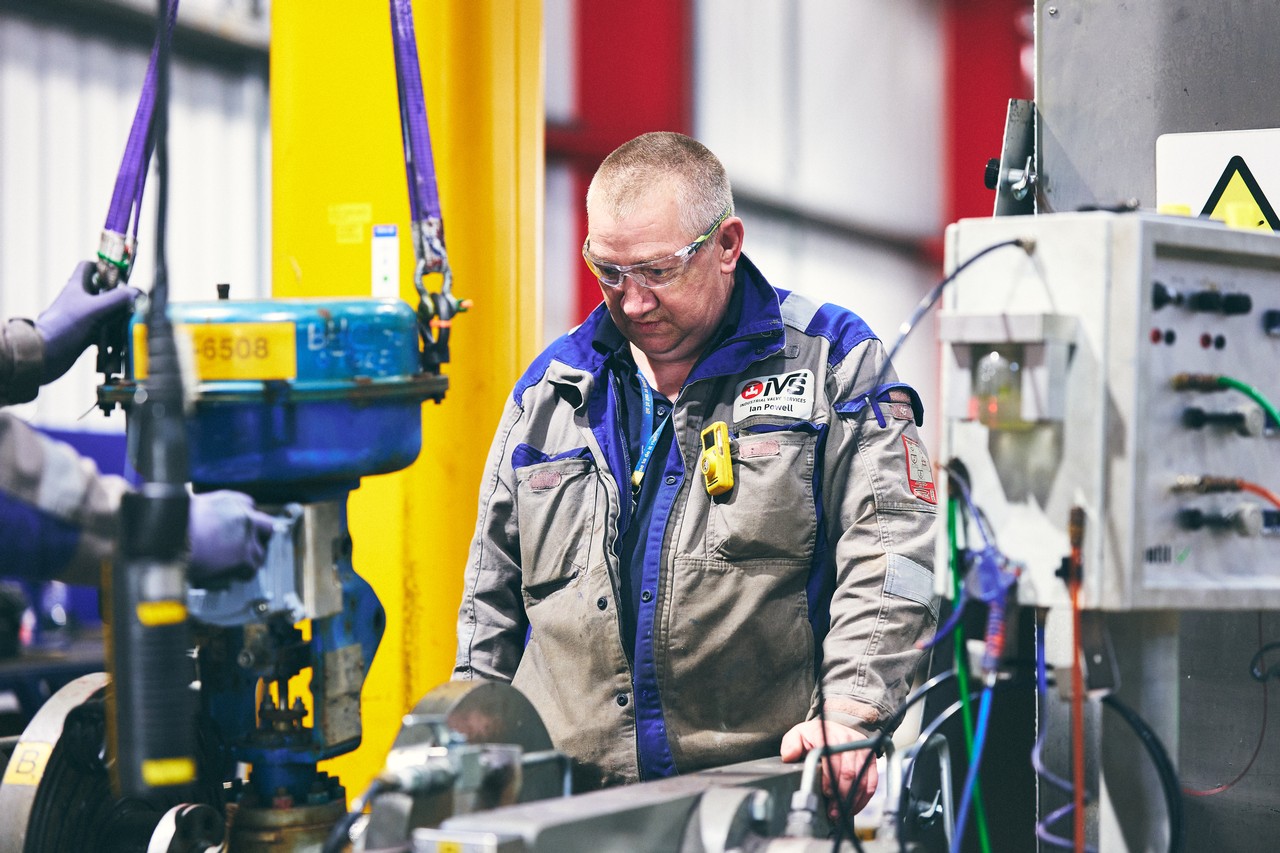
[(788, 395), (386, 261)]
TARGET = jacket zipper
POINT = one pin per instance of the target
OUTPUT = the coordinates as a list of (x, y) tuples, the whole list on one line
[(624, 494)]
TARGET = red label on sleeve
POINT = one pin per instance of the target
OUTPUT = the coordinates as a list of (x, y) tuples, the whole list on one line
[(919, 473)]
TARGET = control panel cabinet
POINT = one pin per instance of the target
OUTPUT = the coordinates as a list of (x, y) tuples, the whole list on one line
[(1129, 364)]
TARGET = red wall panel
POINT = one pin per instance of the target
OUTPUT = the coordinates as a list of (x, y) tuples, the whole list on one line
[(634, 69)]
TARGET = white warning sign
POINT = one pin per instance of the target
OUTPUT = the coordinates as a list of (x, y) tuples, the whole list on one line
[(1224, 175)]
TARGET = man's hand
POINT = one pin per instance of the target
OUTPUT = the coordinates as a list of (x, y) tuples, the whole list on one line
[(228, 536), (808, 735), (67, 327)]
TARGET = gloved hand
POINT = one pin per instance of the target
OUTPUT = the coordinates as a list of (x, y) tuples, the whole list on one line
[(69, 325), (228, 537)]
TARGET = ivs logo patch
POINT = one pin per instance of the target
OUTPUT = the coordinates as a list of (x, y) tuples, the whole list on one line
[(784, 394)]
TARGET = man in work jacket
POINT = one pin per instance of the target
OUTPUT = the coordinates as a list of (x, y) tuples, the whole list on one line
[(59, 516), (658, 622)]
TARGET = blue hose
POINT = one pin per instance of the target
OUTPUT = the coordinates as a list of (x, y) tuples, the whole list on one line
[(970, 781)]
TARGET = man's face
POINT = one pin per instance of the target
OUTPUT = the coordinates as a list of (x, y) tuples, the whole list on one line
[(673, 323)]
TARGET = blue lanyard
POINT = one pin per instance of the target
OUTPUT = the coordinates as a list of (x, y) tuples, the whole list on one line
[(648, 435)]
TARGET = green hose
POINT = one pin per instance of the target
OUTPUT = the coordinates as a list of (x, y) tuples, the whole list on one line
[(962, 670), (1253, 394)]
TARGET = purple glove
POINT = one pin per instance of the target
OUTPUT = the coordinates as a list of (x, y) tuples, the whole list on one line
[(69, 324), (228, 537)]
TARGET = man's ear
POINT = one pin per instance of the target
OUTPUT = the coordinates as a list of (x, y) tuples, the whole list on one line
[(728, 243)]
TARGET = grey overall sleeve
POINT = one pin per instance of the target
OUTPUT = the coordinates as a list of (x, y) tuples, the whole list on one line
[(880, 509), (21, 362), (491, 619), (59, 516)]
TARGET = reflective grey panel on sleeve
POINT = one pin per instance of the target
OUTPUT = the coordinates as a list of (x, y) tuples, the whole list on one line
[(908, 579), (64, 482), (798, 311)]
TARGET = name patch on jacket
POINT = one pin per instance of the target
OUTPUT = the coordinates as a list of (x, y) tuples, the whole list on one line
[(786, 394), (919, 473)]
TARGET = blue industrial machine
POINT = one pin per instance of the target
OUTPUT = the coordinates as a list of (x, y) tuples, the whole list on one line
[(293, 402)]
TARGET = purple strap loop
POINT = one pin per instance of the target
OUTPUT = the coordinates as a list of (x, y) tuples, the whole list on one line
[(435, 310), (118, 244), (420, 170)]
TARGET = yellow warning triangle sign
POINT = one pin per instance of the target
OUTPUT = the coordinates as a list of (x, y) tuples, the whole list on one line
[(1238, 200)]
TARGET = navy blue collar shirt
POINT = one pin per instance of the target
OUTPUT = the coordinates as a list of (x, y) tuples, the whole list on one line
[(632, 546)]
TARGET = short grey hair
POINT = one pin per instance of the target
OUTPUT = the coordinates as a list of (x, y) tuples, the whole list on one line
[(701, 184)]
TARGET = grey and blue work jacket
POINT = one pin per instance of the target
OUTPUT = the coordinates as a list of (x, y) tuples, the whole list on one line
[(59, 516), (815, 563)]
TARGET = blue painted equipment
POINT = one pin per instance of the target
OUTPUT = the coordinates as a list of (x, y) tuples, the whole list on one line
[(294, 402), (298, 399)]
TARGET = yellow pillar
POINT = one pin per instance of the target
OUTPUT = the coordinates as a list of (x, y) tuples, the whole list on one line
[(337, 170)]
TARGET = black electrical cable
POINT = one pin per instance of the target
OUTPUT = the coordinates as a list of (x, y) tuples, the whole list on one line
[(341, 834), (163, 437), (932, 297), (152, 709), (845, 804), (1256, 669), (882, 736), (1164, 767), (904, 796)]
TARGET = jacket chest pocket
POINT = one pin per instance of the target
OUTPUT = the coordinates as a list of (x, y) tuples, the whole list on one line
[(771, 512), (556, 506)]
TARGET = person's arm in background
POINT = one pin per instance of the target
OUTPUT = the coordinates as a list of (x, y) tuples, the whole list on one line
[(36, 353), (59, 516), (880, 510), (21, 362)]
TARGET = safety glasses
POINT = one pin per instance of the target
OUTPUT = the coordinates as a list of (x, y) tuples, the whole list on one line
[(654, 274)]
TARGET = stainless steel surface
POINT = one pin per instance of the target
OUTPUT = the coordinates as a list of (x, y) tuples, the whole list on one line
[(322, 529), (647, 817), (1111, 77), (428, 840), (340, 703), (1017, 178), (1131, 808), (479, 728), (1222, 712), (727, 819)]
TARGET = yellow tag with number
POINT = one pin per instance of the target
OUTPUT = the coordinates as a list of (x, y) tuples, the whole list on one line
[(255, 351)]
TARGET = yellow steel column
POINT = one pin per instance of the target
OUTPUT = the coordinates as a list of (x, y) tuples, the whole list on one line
[(337, 170)]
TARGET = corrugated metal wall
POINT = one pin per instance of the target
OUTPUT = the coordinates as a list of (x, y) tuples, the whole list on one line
[(67, 98)]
